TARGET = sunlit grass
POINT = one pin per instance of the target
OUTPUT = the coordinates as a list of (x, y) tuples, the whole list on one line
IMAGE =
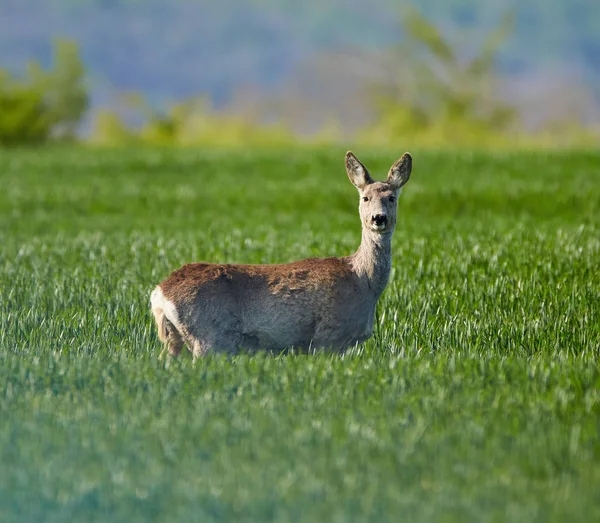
[(477, 399)]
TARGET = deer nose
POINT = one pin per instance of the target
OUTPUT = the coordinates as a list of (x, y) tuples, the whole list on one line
[(379, 219)]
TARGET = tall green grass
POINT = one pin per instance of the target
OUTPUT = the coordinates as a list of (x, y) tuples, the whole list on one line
[(477, 399)]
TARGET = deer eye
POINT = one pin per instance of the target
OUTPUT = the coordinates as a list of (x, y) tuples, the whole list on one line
[(392, 199), (365, 198)]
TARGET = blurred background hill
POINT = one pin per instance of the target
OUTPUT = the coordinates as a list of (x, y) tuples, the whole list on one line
[(311, 67)]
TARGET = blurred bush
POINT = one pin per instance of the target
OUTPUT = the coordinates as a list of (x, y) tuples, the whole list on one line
[(44, 105), (23, 119), (435, 95), (190, 122)]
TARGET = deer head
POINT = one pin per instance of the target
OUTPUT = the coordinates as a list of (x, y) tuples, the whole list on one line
[(378, 200)]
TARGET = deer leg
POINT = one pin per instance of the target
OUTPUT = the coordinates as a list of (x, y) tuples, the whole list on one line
[(199, 349), (228, 343), (174, 342), (222, 336)]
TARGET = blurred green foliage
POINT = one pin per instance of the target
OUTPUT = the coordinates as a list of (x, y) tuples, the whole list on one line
[(444, 95), (434, 96), (189, 122), (22, 115), (437, 95), (44, 105)]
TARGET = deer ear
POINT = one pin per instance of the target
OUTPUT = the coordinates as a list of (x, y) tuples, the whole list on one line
[(357, 172), (400, 171)]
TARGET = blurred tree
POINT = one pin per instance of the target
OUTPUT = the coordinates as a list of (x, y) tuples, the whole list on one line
[(23, 118), (45, 104), (64, 89), (433, 91)]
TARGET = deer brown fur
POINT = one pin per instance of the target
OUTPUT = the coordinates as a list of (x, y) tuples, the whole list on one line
[(309, 304)]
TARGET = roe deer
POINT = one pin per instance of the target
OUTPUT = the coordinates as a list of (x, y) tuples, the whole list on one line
[(313, 303)]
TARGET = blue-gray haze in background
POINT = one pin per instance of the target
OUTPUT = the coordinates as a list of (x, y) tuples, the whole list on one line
[(169, 49)]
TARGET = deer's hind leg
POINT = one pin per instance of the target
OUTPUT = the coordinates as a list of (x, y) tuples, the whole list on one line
[(198, 348), (228, 343), (173, 339), (168, 333), (214, 327)]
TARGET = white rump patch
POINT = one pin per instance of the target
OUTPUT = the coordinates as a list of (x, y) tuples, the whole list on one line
[(159, 303)]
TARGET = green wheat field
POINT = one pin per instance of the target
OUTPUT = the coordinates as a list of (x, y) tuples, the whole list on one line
[(476, 400)]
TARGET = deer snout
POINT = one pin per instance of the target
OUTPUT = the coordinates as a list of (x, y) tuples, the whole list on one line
[(379, 219)]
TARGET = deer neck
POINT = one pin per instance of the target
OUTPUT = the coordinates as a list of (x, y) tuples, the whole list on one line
[(372, 262)]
